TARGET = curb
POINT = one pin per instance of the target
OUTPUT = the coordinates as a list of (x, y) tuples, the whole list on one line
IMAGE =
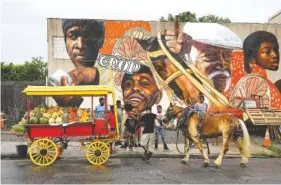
[(13, 156)]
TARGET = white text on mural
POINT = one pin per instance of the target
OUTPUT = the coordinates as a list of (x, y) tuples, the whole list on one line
[(118, 64)]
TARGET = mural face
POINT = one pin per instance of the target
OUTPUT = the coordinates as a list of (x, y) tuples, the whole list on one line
[(83, 39), (145, 62), (215, 63), (261, 48), (140, 89)]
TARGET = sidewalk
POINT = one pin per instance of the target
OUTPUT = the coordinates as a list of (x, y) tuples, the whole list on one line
[(8, 150)]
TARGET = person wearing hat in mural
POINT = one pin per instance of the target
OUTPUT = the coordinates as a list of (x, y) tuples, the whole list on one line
[(83, 40), (210, 52)]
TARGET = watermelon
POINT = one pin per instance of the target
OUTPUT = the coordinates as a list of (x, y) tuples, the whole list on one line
[(43, 120), (33, 120)]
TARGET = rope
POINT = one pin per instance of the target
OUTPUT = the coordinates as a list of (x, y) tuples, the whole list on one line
[(206, 87)]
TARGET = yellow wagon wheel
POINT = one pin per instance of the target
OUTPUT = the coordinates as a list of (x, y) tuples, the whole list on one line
[(97, 153), (43, 152)]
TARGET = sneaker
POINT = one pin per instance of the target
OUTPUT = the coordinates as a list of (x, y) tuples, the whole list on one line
[(133, 149), (139, 145), (149, 154), (127, 149), (124, 146), (166, 147)]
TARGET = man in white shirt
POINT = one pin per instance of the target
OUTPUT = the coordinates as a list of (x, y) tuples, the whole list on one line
[(159, 129)]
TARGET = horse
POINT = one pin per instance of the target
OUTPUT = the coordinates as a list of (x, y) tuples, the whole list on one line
[(170, 74), (212, 126)]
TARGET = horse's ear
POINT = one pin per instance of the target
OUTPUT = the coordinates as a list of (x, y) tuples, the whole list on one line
[(150, 44)]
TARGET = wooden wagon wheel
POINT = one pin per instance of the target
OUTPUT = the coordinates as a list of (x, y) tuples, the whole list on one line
[(43, 152), (252, 85), (97, 153)]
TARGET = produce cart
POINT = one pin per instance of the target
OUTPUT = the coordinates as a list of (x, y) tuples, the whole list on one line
[(47, 128)]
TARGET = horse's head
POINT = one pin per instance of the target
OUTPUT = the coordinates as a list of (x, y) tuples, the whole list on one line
[(173, 111)]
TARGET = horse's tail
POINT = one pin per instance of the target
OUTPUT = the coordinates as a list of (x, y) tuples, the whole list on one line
[(246, 140)]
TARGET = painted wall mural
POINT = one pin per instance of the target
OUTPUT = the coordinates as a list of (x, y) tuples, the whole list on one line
[(157, 65)]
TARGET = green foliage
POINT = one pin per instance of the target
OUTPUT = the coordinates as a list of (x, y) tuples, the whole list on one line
[(36, 69), (213, 18), (191, 17)]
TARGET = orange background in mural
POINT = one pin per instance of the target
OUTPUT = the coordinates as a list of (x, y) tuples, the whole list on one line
[(116, 29)]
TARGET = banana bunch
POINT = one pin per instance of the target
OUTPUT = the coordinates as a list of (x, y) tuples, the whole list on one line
[(83, 114), (43, 110)]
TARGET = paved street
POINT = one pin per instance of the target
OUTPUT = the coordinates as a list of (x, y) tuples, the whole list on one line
[(134, 170)]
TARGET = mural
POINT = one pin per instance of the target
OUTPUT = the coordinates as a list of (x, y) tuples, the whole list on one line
[(155, 65)]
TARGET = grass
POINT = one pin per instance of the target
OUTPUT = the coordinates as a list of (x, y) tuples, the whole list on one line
[(276, 150), (264, 155), (276, 153)]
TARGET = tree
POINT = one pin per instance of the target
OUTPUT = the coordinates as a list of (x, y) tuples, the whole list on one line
[(183, 17), (213, 18), (191, 17), (33, 70)]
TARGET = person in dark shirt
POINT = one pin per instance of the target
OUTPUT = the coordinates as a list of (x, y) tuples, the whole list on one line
[(147, 120), (131, 125)]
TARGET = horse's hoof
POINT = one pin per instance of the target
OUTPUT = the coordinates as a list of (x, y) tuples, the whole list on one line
[(206, 164), (183, 162), (243, 165), (216, 165)]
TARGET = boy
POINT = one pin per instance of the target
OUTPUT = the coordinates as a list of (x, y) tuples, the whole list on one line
[(131, 125)]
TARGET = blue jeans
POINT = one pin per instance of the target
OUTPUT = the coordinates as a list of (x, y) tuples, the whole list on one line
[(159, 131)]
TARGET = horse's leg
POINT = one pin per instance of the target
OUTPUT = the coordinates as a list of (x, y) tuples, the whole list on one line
[(225, 147), (196, 140), (187, 150), (238, 145)]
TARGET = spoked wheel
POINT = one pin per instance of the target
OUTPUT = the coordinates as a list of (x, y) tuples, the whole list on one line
[(97, 153), (43, 152)]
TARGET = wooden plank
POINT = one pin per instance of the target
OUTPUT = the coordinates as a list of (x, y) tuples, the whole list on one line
[(264, 116)]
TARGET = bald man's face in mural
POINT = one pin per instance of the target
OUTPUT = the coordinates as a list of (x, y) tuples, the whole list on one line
[(140, 90), (267, 56), (215, 63), (82, 45)]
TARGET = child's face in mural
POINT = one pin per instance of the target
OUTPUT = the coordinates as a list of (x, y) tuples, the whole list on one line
[(140, 90), (267, 56), (215, 63), (82, 46)]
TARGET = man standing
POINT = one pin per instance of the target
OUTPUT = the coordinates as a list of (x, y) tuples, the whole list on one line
[(119, 118), (159, 128), (100, 110), (147, 120)]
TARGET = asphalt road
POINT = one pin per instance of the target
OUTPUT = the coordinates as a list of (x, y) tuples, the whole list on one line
[(130, 170)]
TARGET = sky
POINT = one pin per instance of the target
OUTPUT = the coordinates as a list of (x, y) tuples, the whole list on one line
[(24, 22)]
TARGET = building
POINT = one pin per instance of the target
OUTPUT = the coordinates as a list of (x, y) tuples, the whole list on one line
[(275, 18)]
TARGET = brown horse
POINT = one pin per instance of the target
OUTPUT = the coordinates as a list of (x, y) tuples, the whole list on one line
[(181, 85), (213, 125)]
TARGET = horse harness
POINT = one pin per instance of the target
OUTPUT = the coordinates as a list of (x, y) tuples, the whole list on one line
[(235, 127)]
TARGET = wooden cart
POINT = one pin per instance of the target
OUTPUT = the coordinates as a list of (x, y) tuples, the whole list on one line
[(44, 139)]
